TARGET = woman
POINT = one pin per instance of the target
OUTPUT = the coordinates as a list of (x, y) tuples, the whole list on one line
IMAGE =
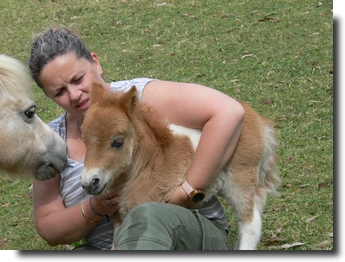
[(63, 67)]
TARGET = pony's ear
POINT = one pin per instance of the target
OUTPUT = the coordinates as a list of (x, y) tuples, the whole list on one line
[(130, 100), (97, 92)]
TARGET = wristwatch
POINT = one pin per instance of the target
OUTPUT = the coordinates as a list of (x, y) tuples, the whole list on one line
[(193, 194)]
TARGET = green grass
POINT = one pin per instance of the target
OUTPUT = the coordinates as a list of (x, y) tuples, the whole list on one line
[(276, 55)]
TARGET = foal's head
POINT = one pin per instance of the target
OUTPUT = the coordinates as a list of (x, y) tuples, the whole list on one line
[(109, 136)]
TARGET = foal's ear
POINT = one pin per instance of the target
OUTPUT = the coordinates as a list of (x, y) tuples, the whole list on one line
[(97, 92), (130, 100)]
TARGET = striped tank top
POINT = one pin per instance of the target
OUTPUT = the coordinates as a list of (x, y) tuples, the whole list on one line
[(101, 236)]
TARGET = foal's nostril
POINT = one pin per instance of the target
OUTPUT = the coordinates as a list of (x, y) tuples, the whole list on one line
[(95, 183)]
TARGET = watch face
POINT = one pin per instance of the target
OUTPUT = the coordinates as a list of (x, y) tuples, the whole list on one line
[(198, 196)]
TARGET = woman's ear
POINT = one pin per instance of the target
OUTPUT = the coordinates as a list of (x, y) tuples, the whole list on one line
[(97, 63)]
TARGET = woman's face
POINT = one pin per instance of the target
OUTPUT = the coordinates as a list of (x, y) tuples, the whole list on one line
[(67, 80)]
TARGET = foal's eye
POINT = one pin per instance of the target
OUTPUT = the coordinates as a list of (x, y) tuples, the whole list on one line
[(30, 113), (117, 142)]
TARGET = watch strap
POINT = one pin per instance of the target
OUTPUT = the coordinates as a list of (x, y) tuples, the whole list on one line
[(187, 187)]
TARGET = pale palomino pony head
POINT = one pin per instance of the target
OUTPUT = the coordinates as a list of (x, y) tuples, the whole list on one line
[(27, 144)]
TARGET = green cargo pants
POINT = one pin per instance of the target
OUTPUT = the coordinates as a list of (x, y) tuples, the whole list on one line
[(161, 226)]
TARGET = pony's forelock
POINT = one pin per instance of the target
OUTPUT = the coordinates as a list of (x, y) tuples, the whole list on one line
[(14, 78)]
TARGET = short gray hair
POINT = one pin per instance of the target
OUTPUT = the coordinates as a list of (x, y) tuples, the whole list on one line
[(52, 43)]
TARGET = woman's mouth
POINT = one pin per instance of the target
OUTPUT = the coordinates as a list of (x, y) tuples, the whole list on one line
[(83, 104)]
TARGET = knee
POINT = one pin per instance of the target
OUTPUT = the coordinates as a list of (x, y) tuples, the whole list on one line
[(144, 228), (148, 208), (145, 214)]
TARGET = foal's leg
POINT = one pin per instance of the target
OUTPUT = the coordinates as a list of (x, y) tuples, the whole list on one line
[(247, 204), (250, 229)]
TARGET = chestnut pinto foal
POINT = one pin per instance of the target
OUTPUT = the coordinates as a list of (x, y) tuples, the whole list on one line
[(125, 139)]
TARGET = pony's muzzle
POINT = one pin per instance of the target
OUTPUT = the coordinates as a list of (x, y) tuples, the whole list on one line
[(53, 161)]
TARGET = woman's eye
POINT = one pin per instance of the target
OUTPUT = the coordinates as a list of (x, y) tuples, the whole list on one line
[(60, 93), (78, 81)]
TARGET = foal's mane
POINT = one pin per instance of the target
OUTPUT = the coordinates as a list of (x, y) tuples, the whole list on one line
[(14, 78), (157, 124)]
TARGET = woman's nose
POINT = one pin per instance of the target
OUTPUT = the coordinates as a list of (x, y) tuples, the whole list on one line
[(74, 93)]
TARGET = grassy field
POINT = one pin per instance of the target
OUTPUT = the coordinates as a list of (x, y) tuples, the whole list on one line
[(276, 55)]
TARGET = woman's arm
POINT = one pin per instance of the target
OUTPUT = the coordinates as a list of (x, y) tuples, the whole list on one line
[(60, 225), (219, 117)]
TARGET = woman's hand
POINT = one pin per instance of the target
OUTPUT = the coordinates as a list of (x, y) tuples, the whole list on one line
[(58, 224), (178, 197), (106, 203)]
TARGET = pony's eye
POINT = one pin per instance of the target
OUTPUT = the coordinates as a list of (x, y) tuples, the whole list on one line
[(117, 142), (30, 113)]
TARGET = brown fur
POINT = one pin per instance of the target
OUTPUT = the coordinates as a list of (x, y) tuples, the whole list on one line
[(153, 161)]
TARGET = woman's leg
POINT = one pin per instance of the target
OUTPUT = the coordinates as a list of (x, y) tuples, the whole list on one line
[(161, 226)]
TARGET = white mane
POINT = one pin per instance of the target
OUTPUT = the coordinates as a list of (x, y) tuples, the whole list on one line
[(14, 78)]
